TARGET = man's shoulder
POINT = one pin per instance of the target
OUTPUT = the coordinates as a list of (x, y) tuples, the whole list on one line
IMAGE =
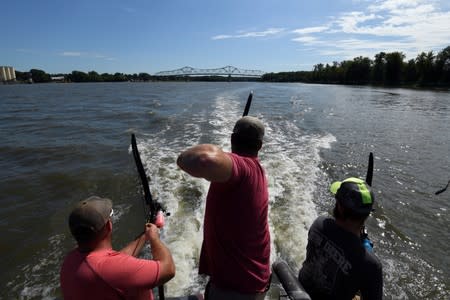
[(108, 257), (245, 164), (321, 221), (236, 157), (73, 255), (372, 261), (112, 260), (242, 157)]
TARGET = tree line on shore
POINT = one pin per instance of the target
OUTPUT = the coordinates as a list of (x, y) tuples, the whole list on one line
[(39, 76), (390, 69), (427, 69)]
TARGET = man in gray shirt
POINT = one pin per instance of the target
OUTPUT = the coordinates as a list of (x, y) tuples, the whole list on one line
[(337, 264)]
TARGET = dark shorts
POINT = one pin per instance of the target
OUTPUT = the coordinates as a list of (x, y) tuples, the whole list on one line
[(213, 292)]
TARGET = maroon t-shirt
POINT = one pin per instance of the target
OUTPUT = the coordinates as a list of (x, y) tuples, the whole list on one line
[(236, 238)]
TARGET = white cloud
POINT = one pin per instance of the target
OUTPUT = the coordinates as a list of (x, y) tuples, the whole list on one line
[(70, 53), (393, 5), (408, 26), (86, 55), (349, 21), (310, 30), (222, 37), (250, 34), (307, 39), (351, 48)]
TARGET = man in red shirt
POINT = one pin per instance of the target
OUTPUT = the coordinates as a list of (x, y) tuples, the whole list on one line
[(236, 240), (95, 271)]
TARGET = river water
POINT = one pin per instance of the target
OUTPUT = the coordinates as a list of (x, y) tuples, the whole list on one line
[(61, 143)]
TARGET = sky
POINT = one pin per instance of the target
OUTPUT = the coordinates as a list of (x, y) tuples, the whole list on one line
[(150, 36)]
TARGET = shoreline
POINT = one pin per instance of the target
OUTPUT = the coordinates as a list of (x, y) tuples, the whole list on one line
[(406, 86)]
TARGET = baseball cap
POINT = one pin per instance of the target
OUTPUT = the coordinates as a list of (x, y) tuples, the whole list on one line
[(355, 194), (89, 216), (249, 127)]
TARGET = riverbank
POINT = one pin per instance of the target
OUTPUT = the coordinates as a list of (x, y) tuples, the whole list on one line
[(405, 86)]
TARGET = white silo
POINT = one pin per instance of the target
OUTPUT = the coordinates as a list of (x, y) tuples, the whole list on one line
[(7, 73), (12, 73), (3, 74)]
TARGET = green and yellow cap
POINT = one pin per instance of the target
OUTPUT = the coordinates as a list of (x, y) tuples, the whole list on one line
[(355, 194)]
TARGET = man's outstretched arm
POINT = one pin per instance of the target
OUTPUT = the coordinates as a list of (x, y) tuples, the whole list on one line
[(206, 161)]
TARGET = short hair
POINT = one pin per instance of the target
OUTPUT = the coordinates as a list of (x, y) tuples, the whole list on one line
[(244, 144), (248, 134), (348, 214)]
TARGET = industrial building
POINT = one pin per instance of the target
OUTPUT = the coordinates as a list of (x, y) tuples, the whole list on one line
[(7, 74)]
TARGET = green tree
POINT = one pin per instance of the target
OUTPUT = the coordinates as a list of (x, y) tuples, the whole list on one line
[(318, 73), (393, 68), (78, 76), (39, 76), (378, 68), (358, 70), (410, 73), (106, 77), (424, 63), (94, 77), (334, 74), (119, 77), (144, 76), (443, 66), (23, 76)]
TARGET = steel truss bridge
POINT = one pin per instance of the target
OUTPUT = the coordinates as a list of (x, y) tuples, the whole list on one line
[(225, 71)]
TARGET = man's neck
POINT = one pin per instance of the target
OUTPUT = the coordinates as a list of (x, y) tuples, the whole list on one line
[(350, 226), (246, 154), (104, 244)]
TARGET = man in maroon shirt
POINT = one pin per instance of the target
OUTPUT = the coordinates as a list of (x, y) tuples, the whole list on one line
[(236, 240)]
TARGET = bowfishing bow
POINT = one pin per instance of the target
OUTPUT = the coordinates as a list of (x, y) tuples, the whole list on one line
[(364, 235), (247, 105), (444, 189), (369, 174), (154, 211)]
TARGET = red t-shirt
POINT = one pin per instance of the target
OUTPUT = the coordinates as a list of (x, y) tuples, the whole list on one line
[(107, 274), (236, 238)]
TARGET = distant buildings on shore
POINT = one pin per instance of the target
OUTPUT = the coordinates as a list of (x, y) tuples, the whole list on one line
[(58, 78), (7, 74)]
